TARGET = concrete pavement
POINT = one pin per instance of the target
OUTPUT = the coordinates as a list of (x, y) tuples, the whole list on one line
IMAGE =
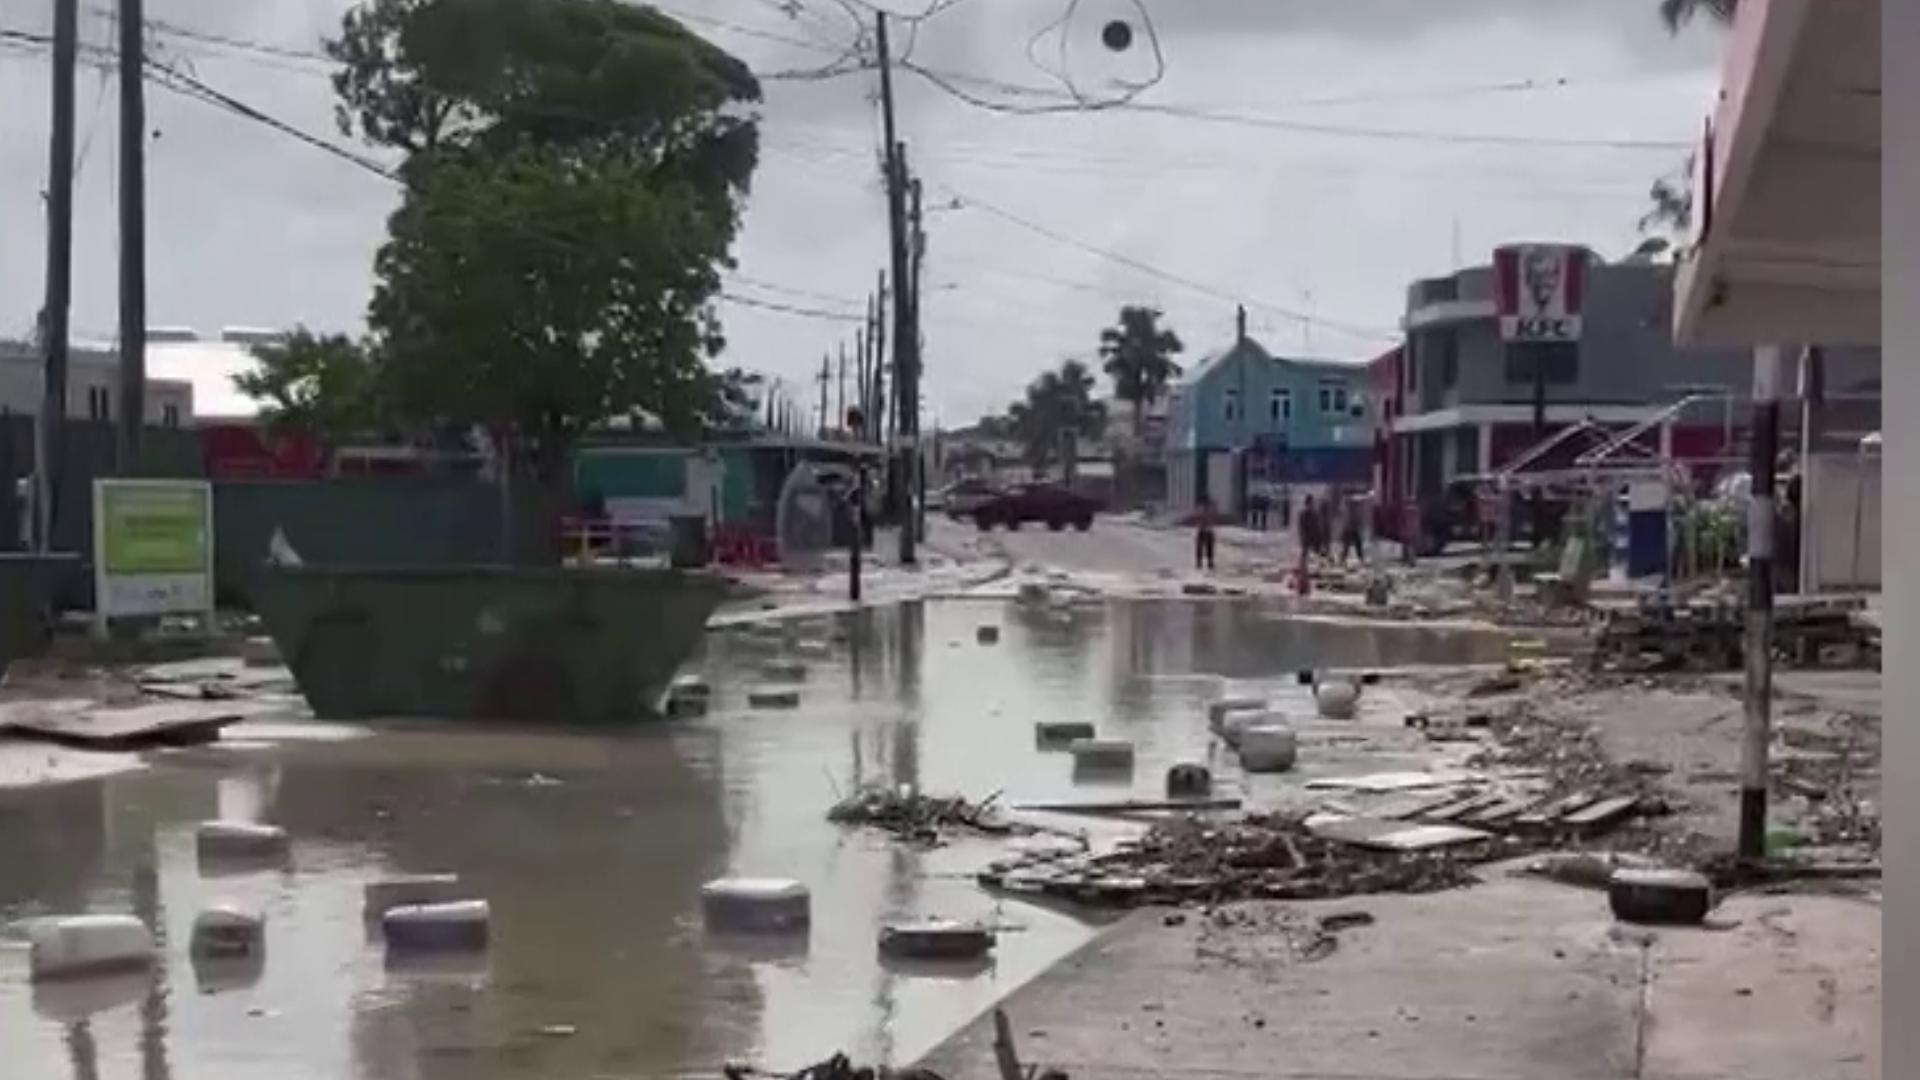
[(1516, 979)]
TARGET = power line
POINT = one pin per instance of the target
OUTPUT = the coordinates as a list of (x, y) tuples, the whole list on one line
[(791, 309), (1352, 330)]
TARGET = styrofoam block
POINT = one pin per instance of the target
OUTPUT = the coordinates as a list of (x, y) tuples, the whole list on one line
[(759, 904), (72, 946), (461, 924)]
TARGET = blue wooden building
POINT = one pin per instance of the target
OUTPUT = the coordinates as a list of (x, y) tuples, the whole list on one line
[(1244, 421)]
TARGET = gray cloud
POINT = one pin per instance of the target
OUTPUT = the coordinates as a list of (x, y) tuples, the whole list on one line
[(249, 227)]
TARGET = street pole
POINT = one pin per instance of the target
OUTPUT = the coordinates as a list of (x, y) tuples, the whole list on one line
[(858, 508), (826, 376), (877, 339), (1759, 659), (905, 343), (133, 234), (52, 427), (911, 384), (841, 411)]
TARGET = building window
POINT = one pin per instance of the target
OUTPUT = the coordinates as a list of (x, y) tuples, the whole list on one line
[(1280, 406), (170, 415), (1232, 405), (1333, 398), (99, 403), (1449, 341)]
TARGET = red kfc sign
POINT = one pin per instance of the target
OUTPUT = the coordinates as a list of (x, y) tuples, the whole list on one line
[(1537, 291)]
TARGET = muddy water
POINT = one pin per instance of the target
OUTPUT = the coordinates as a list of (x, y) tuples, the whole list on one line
[(592, 850)]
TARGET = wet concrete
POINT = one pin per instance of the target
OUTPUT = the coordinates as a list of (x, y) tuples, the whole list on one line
[(591, 849)]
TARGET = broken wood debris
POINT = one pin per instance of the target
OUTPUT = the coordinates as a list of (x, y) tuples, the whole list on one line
[(1260, 857), (911, 815)]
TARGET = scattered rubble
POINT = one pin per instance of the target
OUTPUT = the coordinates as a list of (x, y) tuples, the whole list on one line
[(1260, 857), (923, 819)]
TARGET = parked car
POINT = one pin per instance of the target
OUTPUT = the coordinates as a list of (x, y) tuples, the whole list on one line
[(962, 498), (1049, 503)]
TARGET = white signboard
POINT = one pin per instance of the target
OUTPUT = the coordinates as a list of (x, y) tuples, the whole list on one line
[(152, 549), (1538, 290)]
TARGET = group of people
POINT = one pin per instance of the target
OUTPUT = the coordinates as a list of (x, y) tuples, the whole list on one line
[(1317, 524)]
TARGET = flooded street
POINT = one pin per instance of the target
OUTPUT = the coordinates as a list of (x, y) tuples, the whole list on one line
[(592, 849)]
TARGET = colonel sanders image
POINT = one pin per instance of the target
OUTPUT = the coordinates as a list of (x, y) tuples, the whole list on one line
[(1540, 271)]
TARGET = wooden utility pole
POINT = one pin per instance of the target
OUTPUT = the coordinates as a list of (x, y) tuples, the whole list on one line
[(905, 341), (133, 234), (877, 335), (840, 414), (826, 376), (51, 431), (910, 386)]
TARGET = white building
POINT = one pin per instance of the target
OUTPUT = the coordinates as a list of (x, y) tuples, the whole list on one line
[(93, 385), (189, 381)]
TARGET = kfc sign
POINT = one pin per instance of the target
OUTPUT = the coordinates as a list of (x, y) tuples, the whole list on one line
[(1537, 291)]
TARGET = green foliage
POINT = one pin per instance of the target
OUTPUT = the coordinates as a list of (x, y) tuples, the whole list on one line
[(309, 382), (575, 176), (1139, 358), (1057, 403)]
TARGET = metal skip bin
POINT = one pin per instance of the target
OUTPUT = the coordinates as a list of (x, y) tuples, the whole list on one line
[(538, 644), (27, 582)]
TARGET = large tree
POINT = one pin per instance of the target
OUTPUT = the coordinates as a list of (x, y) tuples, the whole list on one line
[(320, 383), (574, 176), (1138, 357), (1057, 403)]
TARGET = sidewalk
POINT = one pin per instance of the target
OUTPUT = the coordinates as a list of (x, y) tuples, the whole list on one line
[(947, 563), (1516, 979)]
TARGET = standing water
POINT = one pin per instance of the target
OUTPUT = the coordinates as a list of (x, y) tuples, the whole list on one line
[(592, 849)]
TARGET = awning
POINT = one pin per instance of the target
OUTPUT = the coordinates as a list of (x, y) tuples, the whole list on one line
[(1787, 186)]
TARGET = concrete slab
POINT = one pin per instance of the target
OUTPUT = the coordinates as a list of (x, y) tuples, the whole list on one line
[(1511, 980), (1793, 991)]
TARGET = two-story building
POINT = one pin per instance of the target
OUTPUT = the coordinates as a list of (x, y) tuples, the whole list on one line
[(1243, 421), (1464, 400), (93, 385)]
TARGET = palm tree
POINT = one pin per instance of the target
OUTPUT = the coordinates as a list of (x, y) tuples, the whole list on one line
[(1678, 13), (1057, 403), (1139, 359)]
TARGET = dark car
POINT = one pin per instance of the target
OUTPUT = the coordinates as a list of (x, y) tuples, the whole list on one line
[(1049, 503)]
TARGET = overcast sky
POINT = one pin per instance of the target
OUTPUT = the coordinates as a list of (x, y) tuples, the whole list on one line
[(1316, 229)]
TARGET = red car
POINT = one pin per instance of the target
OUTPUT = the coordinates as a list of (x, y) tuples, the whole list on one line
[(1049, 503)]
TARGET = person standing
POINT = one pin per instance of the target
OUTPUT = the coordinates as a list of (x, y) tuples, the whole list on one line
[(1309, 527), (1352, 538), (1204, 519)]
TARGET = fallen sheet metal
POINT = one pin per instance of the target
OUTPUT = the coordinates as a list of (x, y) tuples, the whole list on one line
[(1381, 835), (87, 725)]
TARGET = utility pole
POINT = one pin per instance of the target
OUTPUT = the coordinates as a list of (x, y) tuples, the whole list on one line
[(905, 343), (877, 337), (910, 385), (1759, 666), (840, 414), (826, 376), (53, 316), (133, 234), (861, 380)]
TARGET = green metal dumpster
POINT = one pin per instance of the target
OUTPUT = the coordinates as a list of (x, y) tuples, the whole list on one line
[(572, 645), (27, 582)]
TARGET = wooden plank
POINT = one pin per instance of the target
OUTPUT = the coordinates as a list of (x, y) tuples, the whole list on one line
[(1604, 812), (1415, 806), (85, 724), (1460, 811), (1378, 835), (1129, 806), (1554, 810)]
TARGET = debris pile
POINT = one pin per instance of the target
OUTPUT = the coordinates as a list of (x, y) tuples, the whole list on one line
[(911, 815), (1262, 857)]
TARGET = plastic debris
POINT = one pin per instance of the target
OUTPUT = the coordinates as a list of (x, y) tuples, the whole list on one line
[(1336, 700), (1189, 779), (461, 924), (936, 939), (756, 904), (1101, 753), (75, 946), (774, 699), (1268, 748), (217, 840), (227, 931), (380, 897), (1062, 731)]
